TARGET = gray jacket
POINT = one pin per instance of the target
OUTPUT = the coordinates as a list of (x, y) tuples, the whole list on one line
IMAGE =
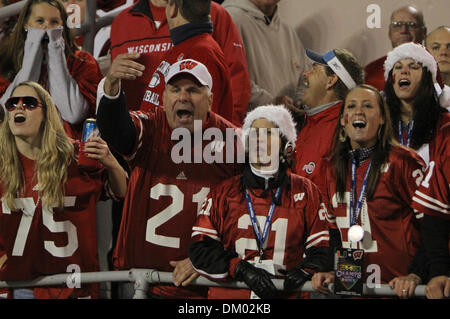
[(275, 54)]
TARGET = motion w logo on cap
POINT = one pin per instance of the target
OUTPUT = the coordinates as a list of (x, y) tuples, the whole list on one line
[(192, 67), (189, 64)]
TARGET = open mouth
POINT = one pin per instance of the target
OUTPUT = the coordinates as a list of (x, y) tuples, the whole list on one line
[(404, 83), (19, 118), (184, 113), (185, 116), (305, 83), (359, 124)]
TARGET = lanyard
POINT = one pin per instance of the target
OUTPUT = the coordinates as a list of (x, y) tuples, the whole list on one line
[(261, 238), (409, 134), (356, 210)]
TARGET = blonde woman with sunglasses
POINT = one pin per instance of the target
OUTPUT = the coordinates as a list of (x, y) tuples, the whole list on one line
[(47, 216)]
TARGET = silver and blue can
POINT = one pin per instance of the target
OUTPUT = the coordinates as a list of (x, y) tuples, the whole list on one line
[(89, 129)]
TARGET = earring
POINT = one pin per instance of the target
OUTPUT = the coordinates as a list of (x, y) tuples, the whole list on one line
[(342, 135)]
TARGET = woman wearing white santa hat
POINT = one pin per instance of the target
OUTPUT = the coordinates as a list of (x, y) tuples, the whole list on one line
[(418, 100), (418, 112)]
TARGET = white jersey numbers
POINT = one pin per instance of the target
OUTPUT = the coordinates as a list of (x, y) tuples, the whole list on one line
[(28, 208), (169, 212), (279, 226)]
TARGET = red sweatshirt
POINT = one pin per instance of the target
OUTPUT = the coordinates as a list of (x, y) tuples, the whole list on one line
[(145, 35)]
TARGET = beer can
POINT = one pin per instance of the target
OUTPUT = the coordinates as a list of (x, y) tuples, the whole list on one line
[(89, 129)]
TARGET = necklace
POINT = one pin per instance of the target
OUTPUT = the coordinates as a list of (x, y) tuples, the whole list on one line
[(35, 207)]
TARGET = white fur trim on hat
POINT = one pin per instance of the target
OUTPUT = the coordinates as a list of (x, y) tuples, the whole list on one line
[(278, 115), (444, 95), (413, 51), (444, 98)]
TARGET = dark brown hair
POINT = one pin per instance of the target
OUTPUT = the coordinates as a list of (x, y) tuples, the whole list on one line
[(340, 156), (426, 109)]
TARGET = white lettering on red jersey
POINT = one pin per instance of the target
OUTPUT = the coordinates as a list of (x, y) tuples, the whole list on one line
[(296, 225), (391, 227), (40, 241), (433, 195), (163, 199)]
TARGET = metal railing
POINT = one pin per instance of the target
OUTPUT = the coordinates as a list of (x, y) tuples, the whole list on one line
[(89, 28), (142, 278)]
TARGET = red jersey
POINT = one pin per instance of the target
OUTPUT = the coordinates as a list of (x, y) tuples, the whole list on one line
[(202, 48), (433, 195), (152, 39), (374, 72), (433, 151), (163, 198), (300, 222), (85, 71), (40, 242), (391, 229), (314, 141)]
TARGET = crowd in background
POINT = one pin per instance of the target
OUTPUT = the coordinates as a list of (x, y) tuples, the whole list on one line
[(354, 149)]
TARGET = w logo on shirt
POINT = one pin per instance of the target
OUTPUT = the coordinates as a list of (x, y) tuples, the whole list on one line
[(298, 197), (188, 65), (358, 254)]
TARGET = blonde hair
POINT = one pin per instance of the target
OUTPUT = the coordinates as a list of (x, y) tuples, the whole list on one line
[(52, 164)]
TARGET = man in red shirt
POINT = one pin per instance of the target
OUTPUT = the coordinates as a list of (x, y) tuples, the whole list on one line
[(190, 26), (407, 25), (146, 31), (164, 195), (323, 91)]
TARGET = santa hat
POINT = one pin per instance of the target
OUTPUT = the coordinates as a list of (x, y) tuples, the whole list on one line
[(413, 51), (278, 115), (444, 95), (420, 54)]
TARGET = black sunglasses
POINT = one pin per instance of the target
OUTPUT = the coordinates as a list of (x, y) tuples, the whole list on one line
[(28, 102)]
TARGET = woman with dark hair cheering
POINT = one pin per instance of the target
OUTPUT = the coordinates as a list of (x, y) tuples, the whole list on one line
[(416, 111), (370, 183), (41, 49), (421, 122)]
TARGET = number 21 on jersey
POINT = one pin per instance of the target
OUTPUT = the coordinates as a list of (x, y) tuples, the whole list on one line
[(169, 212)]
